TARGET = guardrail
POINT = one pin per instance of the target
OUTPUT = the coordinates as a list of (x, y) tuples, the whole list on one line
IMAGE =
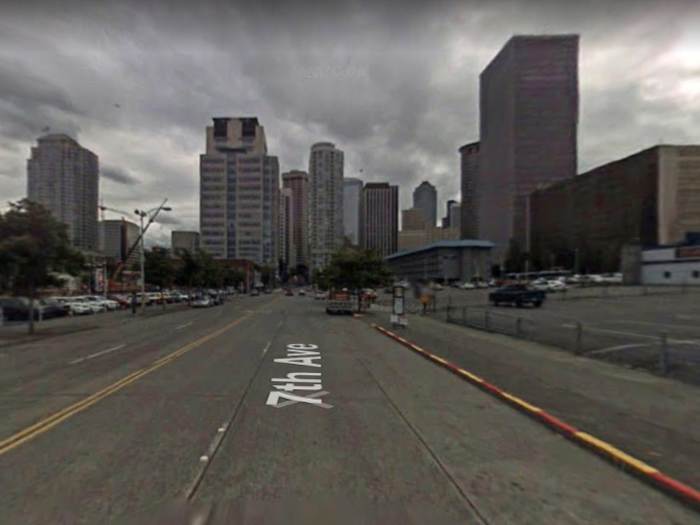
[(672, 354)]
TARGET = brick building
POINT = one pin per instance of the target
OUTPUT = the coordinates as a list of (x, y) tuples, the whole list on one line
[(649, 198)]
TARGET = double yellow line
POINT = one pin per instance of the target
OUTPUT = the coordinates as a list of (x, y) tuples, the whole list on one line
[(42, 426)]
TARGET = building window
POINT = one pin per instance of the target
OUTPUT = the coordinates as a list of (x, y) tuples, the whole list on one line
[(667, 275), (696, 274)]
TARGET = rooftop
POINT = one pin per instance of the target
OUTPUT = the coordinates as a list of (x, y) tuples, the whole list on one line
[(464, 243)]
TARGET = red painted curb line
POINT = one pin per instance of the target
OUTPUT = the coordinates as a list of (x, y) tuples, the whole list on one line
[(671, 486)]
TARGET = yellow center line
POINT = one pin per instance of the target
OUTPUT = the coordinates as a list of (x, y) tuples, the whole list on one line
[(616, 453), (42, 426)]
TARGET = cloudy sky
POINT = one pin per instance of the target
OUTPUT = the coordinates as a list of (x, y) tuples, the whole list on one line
[(393, 84)]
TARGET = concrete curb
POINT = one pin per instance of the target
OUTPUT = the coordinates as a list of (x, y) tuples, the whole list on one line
[(684, 493)]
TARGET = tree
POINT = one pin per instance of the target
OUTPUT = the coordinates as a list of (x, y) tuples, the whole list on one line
[(159, 267), (267, 275), (188, 271), (355, 270), (33, 247)]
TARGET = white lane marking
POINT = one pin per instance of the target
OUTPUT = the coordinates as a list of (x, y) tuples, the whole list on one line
[(633, 334), (266, 348), (663, 325), (280, 324), (184, 325), (620, 347), (96, 355)]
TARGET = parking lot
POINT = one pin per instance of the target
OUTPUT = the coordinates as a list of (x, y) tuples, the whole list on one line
[(656, 331)]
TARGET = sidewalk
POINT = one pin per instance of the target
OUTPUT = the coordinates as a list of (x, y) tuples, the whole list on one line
[(17, 333), (651, 418)]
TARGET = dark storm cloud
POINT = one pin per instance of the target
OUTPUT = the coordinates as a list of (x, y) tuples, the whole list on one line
[(393, 84), (119, 175)]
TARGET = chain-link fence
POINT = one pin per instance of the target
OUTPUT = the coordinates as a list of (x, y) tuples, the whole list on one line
[(673, 353)]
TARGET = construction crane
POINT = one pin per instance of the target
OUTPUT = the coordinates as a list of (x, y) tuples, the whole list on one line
[(151, 214)]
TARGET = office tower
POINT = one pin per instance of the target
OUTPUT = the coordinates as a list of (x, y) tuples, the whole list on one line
[(528, 118), (379, 218), (64, 177), (298, 182), (239, 192), (413, 219), (425, 198), (181, 241), (325, 202), (469, 164), (287, 248), (116, 237), (352, 189), (452, 216)]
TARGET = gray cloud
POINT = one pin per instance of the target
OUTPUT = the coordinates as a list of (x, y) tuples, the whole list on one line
[(118, 175), (396, 89)]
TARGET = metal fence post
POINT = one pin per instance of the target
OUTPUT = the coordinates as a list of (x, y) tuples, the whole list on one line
[(663, 354), (487, 320), (579, 338)]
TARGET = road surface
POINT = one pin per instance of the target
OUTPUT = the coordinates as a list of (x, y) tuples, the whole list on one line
[(100, 425)]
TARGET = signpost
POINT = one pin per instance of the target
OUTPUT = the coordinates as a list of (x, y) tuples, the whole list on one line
[(398, 312)]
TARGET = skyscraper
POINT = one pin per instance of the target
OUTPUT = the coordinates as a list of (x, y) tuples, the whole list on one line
[(325, 202), (529, 117), (239, 192), (352, 189), (64, 177), (116, 237), (379, 218), (469, 163), (425, 198), (298, 182), (287, 248)]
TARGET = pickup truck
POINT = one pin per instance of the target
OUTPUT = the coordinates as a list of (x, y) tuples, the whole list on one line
[(339, 302), (517, 294)]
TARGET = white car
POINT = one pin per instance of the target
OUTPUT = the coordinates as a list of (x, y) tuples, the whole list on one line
[(202, 302), (107, 303), (95, 306), (467, 286), (76, 307), (320, 296), (557, 286)]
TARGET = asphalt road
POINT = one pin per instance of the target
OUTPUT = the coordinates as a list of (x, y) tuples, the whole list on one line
[(100, 425)]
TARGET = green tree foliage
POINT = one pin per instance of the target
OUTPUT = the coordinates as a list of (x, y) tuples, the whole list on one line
[(159, 267), (33, 247), (355, 269)]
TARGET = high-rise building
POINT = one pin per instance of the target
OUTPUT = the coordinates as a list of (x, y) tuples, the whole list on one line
[(529, 106), (425, 198), (116, 237), (298, 182), (64, 177), (412, 239), (452, 216), (287, 248), (326, 165), (469, 164), (239, 192), (413, 219), (379, 218), (352, 189), (181, 241)]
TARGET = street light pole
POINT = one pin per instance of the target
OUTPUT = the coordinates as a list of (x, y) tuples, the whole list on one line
[(143, 270)]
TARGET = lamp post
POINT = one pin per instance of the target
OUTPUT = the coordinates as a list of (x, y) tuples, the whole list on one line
[(151, 214)]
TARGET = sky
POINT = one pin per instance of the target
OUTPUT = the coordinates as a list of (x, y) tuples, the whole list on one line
[(395, 85)]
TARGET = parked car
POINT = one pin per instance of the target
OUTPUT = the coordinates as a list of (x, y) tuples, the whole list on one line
[(53, 308), (302, 291), (320, 296), (518, 295), (121, 300), (289, 293), (108, 304), (76, 307), (202, 302), (467, 286), (254, 292)]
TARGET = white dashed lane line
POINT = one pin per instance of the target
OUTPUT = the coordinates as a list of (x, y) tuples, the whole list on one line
[(184, 325), (80, 360)]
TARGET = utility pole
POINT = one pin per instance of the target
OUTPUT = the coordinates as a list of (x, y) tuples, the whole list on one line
[(143, 269)]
